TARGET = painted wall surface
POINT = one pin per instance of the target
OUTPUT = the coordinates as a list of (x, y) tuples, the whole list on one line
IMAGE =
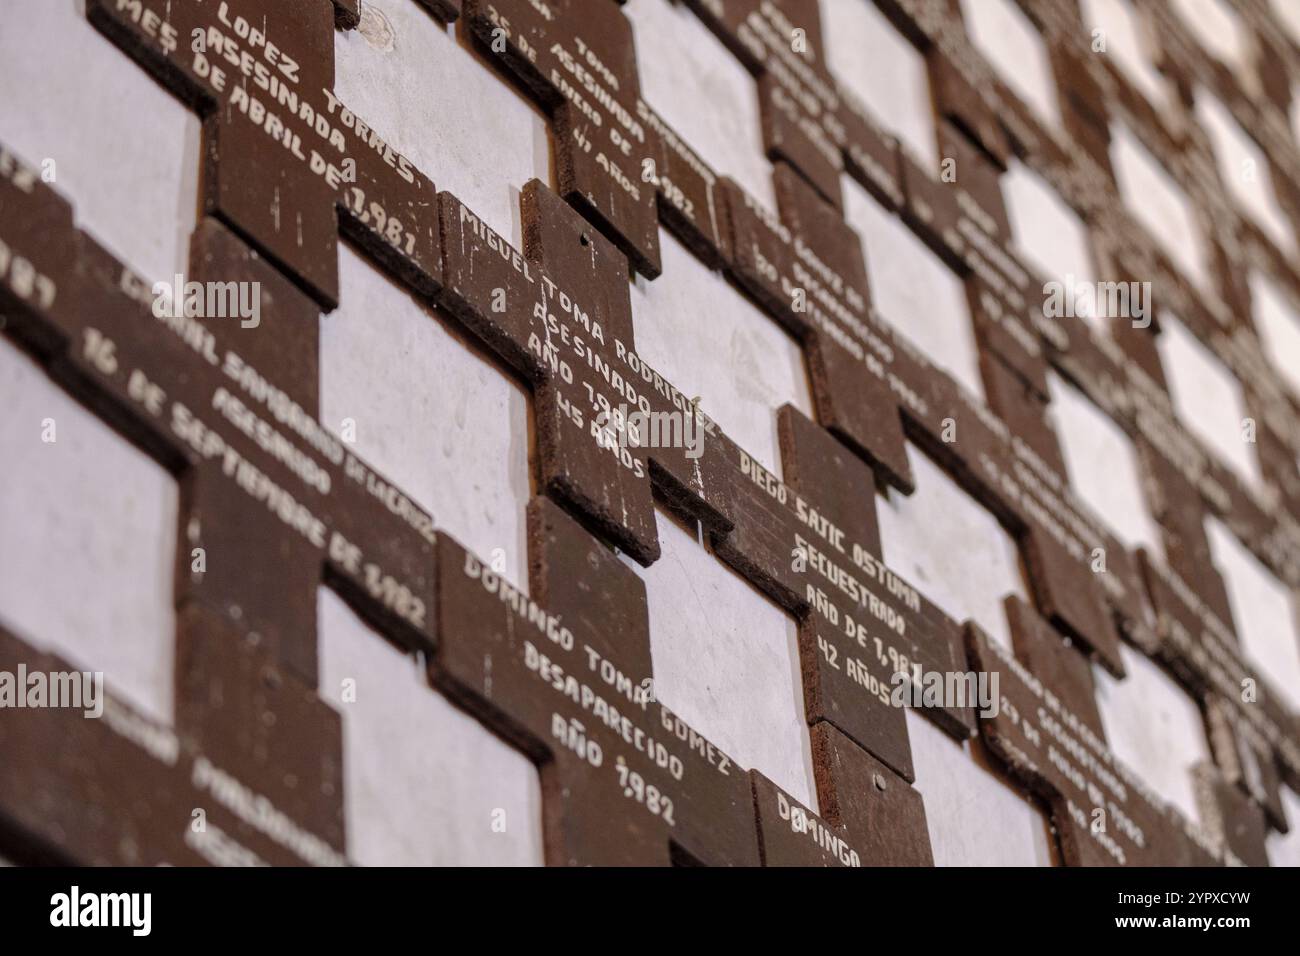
[(441, 417)]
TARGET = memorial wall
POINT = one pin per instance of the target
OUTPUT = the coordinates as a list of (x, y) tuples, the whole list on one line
[(724, 432)]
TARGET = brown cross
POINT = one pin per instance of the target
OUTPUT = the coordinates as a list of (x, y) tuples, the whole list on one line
[(1102, 812), (806, 268), (780, 42), (557, 312), (870, 816), (1195, 644), (286, 165), (272, 506), (120, 790), (578, 60), (872, 389), (577, 351), (563, 674)]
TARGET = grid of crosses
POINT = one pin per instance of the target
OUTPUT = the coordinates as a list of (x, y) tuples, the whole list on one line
[(660, 791)]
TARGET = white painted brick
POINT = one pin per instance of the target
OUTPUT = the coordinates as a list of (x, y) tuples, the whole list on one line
[(1159, 204), (1278, 324), (1284, 848), (1287, 13), (1047, 232), (1207, 397), (444, 109), (708, 340), (1216, 26), (1245, 169), (1128, 44)]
